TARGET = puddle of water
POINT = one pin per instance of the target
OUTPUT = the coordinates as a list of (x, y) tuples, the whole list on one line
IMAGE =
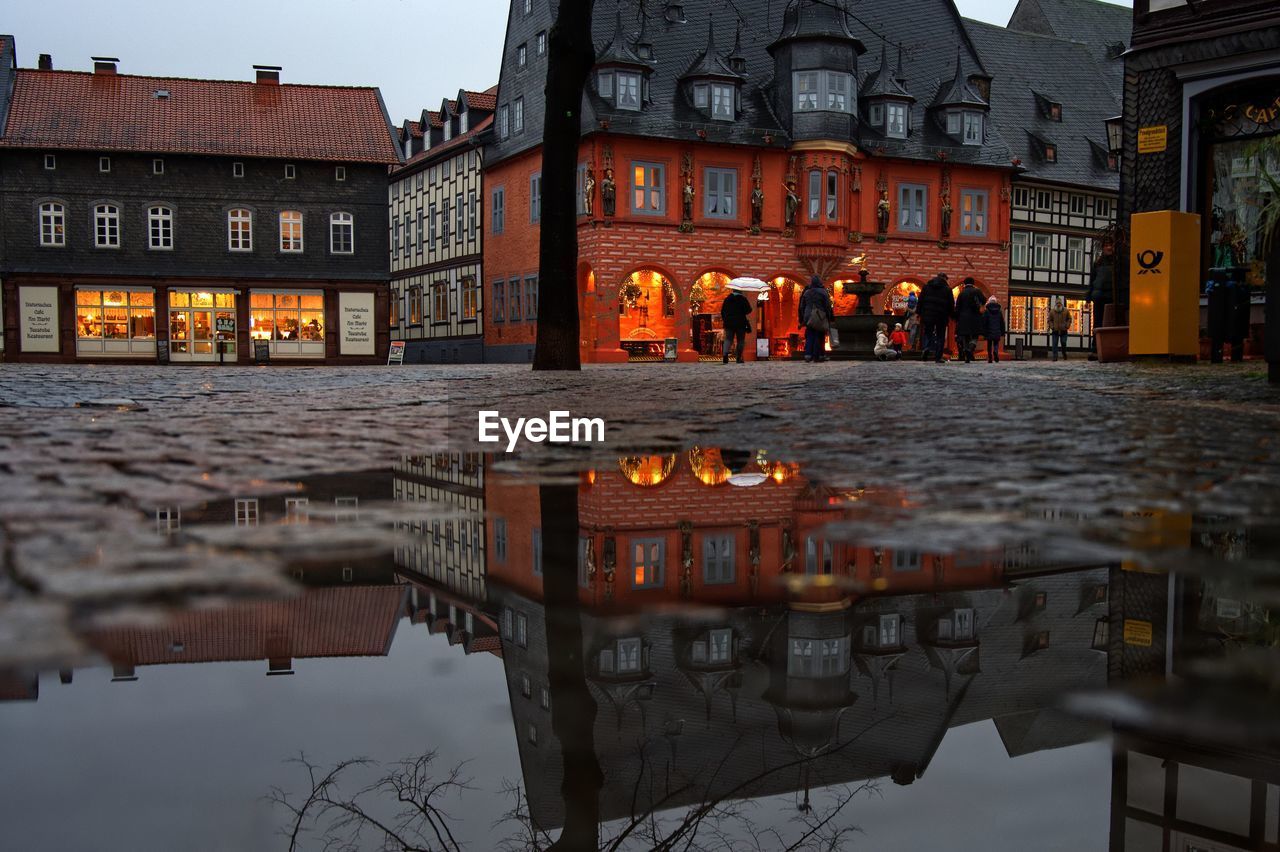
[(704, 647)]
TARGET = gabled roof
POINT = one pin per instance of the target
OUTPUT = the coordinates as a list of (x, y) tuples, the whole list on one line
[(883, 83), (709, 63), (486, 100), (414, 128), (120, 112), (8, 70), (1098, 25), (1064, 72), (619, 50)]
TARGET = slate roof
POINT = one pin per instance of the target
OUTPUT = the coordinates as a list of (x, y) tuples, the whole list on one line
[(8, 71), (1064, 72), (120, 112), (1099, 25), (677, 47), (435, 151)]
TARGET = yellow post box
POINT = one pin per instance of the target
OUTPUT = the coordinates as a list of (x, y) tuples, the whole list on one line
[(1164, 284)]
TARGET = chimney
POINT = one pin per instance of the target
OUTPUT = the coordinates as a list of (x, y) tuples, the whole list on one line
[(45, 62), (268, 74), (104, 64)]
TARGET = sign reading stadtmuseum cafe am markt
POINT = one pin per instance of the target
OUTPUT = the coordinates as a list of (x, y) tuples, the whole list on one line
[(356, 322), (38, 314)]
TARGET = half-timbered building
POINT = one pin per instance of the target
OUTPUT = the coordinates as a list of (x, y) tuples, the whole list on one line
[(436, 234)]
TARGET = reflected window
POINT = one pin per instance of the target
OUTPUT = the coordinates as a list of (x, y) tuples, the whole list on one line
[(537, 552), (647, 558), (957, 626), (247, 512), (500, 539), (628, 656), (1101, 634), (818, 657), (522, 630), (885, 632), (718, 557)]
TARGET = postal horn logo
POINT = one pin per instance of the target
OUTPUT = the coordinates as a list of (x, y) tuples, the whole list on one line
[(1150, 261)]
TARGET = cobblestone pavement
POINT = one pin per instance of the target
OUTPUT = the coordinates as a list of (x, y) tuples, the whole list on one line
[(1068, 457)]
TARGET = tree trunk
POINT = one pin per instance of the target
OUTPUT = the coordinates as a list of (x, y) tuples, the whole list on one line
[(569, 60)]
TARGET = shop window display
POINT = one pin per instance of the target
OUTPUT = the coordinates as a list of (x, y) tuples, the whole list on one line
[(646, 313), (705, 299), (1244, 185), (199, 322), (294, 323), (115, 322), (778, 320)]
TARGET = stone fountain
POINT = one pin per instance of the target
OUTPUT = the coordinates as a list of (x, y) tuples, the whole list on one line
[(858, 330)]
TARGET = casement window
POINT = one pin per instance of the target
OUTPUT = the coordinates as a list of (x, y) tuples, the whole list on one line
[(247, 512), (702, 96), (473, 215), (498, 212), (973, 212), (722, 101), (544, 698), (522, 630), (106, 226), (160, 228), (535, 551), (1079, 205), (906, 560), (719, 552), (290, 171), (526, 686), (875, 115), (53, 221), (1018, 249), (514, 313), (459, 217), (528, 6), (817, 658), (339, 173), (237, 170), (422, 230), (647, 196), (397, 235), (896, 121), (415, 306), (822, 90), (531, 297), (499, 310), (431, 225), (50, 162), (604, 84), (833, 196), (444, 222), (818, 560), (1075, 254), (628, 84), (973, 122), (157, 166), (500, 539), (394, 313), (913, 208), (1044, 199), (504, 128), (815, 195), (805, 84), (518, 117), (541, 41), (1021, 197), (1102, 208), (522, 57), (838, 91), (1043, 251), (720, 191), (290, 230), (470, 298), (104, 164), (440, 302), (884, 632), (535, 197), (342, 233), (584, 562), (957, 626), (647, 562), (168, 519), (239, 230)]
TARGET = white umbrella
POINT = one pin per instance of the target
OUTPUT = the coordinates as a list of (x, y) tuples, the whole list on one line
[(749, 285), (747, 480)]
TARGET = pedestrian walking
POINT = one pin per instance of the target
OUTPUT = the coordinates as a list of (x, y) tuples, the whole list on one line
[(898, 340), (733, 316), (884, 350), (1101, 283), (935, 308), (969, 325), (1059, 325), (993, 320), (816, 316)]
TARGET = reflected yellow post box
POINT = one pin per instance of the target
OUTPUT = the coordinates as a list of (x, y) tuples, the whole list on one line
[(1164, 284)]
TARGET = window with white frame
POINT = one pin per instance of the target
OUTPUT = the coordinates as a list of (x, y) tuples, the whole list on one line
[(806, 85), (906, 560), (913, 208), (1044, 199), (440, 301), (604, 84), (721, 192), (160, 228), (1079, 205), (1018, 249), (817, 556), (647, 558), (719, 552), (896, 121), (629, 656), (168, 519), (1021, 197), (106, 226), (522, 630), (346, 509), (157, 166), (1102, 208), (628, 84), (722, 101), (239, 230), (973, 212), (518, 117), (973, 128), (342, 233), (1075, 254), (473, 214), (297, 510), (504, 129), (833, 194), (50, 162), (817, 658), (237, 170), (291, 230), (104, 164), (246, 511), (470, 298), (521, 56), (531, 297), (815, 195), (838, 85), (541, 41), (956, 626), (1043, 251), (415, 306), (875, 115), (647, 196), (459, 217), (290, 171), (884, 632), (339, 173), (53, 224)]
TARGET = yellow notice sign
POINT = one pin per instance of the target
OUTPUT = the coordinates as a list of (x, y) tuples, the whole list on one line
[(1137, 633), (1153, 140)]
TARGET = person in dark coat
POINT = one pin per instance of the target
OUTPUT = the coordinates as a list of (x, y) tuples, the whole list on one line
[(993, 329), (1101, 283), (816, 317), (935, 308), (733, 314), (968, 320)]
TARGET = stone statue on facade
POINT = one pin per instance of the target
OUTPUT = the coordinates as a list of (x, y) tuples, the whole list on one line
[(882, 212), (793, 204), (946, 216), (589, 193), (608, 190), (686, 195), (757, 206)]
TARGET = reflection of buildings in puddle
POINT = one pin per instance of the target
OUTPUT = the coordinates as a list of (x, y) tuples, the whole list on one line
[(715, 698), (450, 552)]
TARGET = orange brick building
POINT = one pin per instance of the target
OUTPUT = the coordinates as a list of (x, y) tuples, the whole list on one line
[(794, 152)]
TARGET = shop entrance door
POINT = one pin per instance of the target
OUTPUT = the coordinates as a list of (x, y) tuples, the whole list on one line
[(191, 335)]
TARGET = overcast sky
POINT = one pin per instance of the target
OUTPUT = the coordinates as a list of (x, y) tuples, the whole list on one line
[(417, 51)]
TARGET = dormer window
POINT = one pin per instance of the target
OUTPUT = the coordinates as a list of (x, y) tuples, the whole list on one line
[(1051, 153), (896, 121), (967, 124), (722, 101), (1055, 112), (628, 90), (604, 84)]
